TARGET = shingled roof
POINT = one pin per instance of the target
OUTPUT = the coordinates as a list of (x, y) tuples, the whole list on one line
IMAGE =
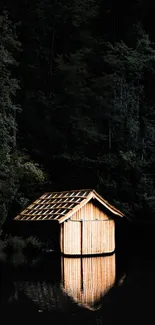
[(61, 205)]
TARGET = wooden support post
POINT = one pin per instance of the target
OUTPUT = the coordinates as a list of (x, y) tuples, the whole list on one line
[(82, 274), (81, 237)]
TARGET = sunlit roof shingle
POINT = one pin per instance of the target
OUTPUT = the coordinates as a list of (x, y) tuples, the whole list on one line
[(56, 205)]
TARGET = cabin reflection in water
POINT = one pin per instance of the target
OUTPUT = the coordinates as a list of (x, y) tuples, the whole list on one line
[(83, 283), (87, 280)]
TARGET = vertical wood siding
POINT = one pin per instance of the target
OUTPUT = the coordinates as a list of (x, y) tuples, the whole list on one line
[(71, 237), (87, 232), (98, 237), (89, 212), (88, 279)]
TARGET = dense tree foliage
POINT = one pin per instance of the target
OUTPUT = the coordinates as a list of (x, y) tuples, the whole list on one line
[(16, 170), (79, 103)]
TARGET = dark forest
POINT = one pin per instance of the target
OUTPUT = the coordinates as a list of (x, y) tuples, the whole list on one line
[(77, 102)]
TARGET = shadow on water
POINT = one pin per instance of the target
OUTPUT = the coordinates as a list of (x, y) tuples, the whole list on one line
[(93, 290)]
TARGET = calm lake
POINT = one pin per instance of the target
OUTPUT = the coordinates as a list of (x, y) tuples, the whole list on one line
[(93, 290)]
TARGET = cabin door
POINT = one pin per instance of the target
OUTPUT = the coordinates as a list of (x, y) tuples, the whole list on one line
[(92, 237), (87, 237), (97, 236)]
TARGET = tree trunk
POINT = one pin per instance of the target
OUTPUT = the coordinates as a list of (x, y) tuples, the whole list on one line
[(14, 130), (51, 59), (110, 135)]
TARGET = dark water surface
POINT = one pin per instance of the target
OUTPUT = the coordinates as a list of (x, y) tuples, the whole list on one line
[(94, 290)]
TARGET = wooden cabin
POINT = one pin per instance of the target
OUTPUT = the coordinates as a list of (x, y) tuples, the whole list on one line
[(86, 221)]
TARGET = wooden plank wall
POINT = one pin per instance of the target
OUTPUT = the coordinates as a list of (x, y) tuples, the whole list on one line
[(89, 212), (98, 237), (88, 279), (70, 234), (89, 231)]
